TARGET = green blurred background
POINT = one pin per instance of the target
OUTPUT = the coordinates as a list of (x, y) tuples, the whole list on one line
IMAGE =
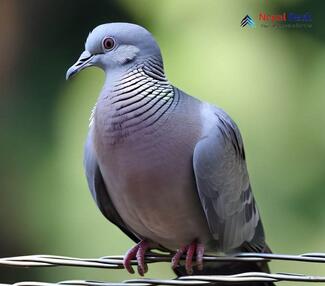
[(270, 81)]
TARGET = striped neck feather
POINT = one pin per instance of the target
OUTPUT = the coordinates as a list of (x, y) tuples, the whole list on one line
[(139, 98)]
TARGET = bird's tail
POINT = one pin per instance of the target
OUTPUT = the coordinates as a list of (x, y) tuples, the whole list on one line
[(231, 268)]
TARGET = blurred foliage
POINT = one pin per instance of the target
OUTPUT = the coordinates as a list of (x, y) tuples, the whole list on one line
[(270, 81)]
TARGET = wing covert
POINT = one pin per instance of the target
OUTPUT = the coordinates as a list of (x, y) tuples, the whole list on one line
[(224, 188)]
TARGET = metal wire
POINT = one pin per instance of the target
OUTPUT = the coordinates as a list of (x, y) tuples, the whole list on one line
[(116, 262)]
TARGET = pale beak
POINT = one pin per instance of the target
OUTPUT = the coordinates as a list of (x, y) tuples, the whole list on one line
[(83, 62)]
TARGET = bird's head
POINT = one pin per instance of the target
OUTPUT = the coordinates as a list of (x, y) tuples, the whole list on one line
[(115, 45)]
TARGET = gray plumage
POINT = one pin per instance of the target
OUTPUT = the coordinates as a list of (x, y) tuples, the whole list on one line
[(160, 164)]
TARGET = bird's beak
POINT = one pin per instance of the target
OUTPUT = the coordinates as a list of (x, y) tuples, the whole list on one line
[(83, 62)]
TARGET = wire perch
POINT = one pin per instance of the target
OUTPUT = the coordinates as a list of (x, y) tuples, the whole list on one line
[(116, 262)]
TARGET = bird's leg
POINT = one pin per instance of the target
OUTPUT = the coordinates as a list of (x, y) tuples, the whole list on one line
[(138, 252), (189, 256), (199, 256), (177, 257), (191, 249)]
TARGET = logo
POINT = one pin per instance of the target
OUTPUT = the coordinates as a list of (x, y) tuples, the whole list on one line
[(286, 20), (247, 20), (282, 20), (286, 17)]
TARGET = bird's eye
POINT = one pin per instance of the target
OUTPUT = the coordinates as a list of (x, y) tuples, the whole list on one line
[(108, 43)]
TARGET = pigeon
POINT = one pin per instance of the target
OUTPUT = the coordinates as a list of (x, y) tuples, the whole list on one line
[(166, 168)]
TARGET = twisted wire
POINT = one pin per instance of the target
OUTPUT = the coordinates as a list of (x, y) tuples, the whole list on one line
[(116, 262)]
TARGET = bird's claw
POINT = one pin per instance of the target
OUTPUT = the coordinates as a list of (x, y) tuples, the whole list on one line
[(137, 252), (190, 250)]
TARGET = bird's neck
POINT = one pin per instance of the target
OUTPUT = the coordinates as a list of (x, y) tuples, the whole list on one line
[(137, 99)]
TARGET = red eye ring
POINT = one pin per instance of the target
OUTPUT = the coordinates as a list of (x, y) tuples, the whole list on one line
[(108, 43)]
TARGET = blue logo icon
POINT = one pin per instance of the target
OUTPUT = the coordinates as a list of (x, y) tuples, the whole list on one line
[(247, 20)]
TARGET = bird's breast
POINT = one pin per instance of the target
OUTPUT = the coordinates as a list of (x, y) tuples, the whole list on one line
[(155, 194), (150, 180)]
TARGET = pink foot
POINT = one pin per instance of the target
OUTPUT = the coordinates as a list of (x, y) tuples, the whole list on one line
[(137, 252), (191, 249)]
